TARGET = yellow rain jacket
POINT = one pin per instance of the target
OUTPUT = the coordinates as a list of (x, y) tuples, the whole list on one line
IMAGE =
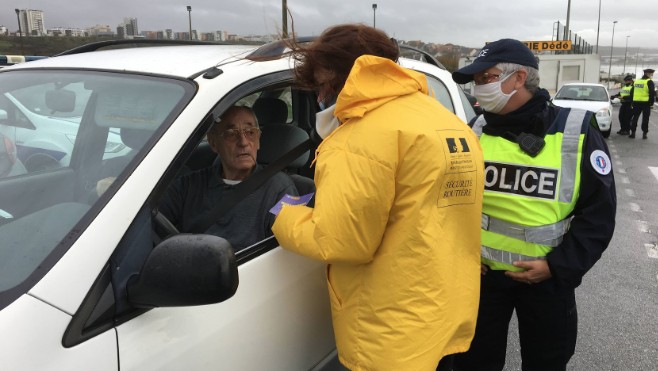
[(397, 218)]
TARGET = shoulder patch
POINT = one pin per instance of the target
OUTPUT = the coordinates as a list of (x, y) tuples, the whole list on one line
[(600, 162)]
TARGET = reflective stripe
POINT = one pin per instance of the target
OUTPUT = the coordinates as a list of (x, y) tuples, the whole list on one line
[(479, 123), (548, 235), (570, 141), (506, 257)]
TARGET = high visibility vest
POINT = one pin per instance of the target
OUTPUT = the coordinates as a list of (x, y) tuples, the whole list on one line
[(528, 200), (625, 91), (641, 90)]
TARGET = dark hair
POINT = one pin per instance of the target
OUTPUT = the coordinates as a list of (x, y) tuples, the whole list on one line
[(336, 50)]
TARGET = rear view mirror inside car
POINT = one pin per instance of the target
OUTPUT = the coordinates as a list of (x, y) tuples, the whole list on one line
[(60, 100)]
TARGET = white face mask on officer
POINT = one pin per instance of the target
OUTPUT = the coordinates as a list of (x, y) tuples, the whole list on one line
[(491, 96)]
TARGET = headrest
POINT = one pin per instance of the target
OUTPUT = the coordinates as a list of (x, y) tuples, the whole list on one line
[(135, 138), (277, 140), (270, 111)]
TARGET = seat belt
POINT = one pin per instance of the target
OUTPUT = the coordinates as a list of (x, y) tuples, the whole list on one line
[(248, 186)]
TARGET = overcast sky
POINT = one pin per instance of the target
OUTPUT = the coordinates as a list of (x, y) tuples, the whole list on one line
[(469, 23)]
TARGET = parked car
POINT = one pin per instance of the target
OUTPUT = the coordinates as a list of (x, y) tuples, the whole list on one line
[(592, 97), (91, 274), (474, 103), (45, 125)]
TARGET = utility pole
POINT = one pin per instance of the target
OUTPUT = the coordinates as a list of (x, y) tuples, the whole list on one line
[(189, 12), (625, 53), (374, 19), (598, 28), (612, 44), (20, 32), (566, 28), (284, 19)]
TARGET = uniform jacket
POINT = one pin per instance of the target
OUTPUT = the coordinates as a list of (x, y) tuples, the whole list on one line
[(397, 217), (593, 222)]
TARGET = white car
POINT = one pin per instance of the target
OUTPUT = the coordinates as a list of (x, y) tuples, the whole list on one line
[(91, 275), (591, 97), (44, 126)]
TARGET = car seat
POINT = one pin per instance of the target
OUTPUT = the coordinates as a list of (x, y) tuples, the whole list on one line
[(270, 111), (275, 141)]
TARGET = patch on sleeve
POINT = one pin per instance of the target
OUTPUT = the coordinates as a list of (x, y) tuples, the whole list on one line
[(600, 162)]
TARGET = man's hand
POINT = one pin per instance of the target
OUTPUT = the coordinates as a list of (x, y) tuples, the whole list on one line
[(535, 271)]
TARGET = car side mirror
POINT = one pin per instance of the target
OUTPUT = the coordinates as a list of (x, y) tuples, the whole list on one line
[(615, 100), (3, 115), (186, 270)]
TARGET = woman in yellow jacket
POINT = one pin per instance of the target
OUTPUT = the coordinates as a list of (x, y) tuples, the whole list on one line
[(397, 209)]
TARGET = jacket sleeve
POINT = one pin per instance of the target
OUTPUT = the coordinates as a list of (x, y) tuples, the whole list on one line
[(593, 221), (353, 200)]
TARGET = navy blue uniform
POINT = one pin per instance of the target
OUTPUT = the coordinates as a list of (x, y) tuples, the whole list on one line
[(546, 311)]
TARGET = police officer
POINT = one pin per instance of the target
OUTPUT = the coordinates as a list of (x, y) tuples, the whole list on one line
[(548, 210), (626, 109), (644, 94)]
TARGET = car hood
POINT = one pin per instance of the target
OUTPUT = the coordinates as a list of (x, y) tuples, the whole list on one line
[(587, 105)]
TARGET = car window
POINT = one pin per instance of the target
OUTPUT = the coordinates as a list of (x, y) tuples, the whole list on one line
[(440, 92), (67, 162), (583, 92)]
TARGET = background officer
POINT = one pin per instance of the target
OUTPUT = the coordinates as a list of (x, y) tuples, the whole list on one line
[(626, 109), (644, 94), (548, 210)]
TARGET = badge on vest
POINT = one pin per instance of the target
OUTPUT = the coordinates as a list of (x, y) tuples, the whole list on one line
[(600, 162), (529, 181)]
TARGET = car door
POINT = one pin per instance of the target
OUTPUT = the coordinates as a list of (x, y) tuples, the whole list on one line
[(279, 318)]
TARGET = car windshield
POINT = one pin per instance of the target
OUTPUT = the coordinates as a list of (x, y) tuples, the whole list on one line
[(67, 137), (583, 92)]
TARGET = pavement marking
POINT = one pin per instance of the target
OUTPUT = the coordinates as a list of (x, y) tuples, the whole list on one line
[(652, 250), (654, 171), (630, 192), (625, 180), (621, 171), (618, 163), (616, 156), (635, 207), (643, 226)]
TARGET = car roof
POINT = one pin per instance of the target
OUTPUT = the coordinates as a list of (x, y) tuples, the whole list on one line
[(180, 60)]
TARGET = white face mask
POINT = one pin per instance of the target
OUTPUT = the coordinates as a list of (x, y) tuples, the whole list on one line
[(326, 122), (491, 96)]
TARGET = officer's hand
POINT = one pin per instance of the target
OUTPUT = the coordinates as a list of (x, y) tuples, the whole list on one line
[(483, 269), (535, 271)]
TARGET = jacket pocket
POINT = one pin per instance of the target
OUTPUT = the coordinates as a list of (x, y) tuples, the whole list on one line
[(336, 303)]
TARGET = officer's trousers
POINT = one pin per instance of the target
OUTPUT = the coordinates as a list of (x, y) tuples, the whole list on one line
[(548, 325), (625, 114), (643, 108)]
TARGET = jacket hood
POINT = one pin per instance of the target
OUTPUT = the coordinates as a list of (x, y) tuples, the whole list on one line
[(374, 81)]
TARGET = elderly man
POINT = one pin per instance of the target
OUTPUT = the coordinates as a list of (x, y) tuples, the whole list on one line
[(235, 137), (548, 210)]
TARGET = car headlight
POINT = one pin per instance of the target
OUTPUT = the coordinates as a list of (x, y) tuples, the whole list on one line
[(604, 112)]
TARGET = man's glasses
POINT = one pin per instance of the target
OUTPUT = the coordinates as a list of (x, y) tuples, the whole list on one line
[(486, 78), (233, 135)]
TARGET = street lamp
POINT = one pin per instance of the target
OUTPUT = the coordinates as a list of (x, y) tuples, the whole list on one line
[(20, 32), (598, 28), (189, 12), (625, 52), (566, 28), (612, 43), (374, 8)]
